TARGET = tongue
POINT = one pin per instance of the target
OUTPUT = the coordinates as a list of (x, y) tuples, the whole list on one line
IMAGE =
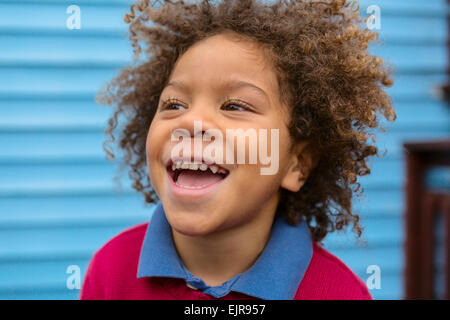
[(197, 178)]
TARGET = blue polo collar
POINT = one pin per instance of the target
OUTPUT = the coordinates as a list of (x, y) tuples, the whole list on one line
[(275, 275)]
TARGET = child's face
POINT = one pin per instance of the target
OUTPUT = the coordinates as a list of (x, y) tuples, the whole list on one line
[(220, 202)]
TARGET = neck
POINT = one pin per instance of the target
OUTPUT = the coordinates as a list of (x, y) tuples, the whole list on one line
[(218, 257)]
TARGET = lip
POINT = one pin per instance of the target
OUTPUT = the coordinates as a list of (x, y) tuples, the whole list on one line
[(191, 194)]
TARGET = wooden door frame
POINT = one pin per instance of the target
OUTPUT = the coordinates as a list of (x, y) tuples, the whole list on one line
[(421, 207)]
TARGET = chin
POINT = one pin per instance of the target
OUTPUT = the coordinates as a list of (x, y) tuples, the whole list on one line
[(191, 229), (191, 222)]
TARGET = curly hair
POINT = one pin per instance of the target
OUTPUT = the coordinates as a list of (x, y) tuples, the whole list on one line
[(332, 85)]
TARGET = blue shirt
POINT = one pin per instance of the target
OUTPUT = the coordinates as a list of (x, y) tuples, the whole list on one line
[(275, 275)]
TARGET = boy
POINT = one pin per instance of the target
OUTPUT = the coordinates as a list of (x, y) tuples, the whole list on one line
[(222, 229)]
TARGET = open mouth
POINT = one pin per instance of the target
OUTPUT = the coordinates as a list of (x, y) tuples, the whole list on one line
[(195, 176)]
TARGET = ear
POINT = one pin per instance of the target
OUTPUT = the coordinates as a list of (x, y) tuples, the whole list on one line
[(302, 161)]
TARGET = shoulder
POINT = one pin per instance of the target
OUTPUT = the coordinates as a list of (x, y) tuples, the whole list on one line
[(127, 240), (327, 277), (125, 244), (121, 251)]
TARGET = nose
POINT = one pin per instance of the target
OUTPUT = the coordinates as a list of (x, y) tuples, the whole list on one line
[(198, 119), (194, 123)]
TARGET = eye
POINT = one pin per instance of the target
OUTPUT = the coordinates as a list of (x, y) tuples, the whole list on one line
[(235, 105), (172, 104)]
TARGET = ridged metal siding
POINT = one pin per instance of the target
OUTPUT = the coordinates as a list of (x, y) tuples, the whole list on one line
[(58, 200)]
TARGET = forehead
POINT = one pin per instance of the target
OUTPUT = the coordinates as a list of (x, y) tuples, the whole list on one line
[(223, 59)]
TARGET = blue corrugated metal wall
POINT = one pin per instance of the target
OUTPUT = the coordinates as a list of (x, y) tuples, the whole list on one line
[(58, 200), (414, 42)]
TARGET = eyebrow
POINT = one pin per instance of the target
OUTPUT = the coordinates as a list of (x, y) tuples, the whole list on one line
[(230, 84)]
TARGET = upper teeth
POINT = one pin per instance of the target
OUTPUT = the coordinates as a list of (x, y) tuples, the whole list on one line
[(194, 166)]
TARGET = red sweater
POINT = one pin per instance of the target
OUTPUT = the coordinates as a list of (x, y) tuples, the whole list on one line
[(112, 275)]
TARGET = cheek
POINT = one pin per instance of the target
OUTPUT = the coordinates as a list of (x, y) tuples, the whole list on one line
[(254, 184), (155, 140), (277, 148), (149, 146), (154, 147), (259, 191), (284, 138)]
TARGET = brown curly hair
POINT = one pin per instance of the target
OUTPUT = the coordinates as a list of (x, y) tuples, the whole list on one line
[(331, 83)]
